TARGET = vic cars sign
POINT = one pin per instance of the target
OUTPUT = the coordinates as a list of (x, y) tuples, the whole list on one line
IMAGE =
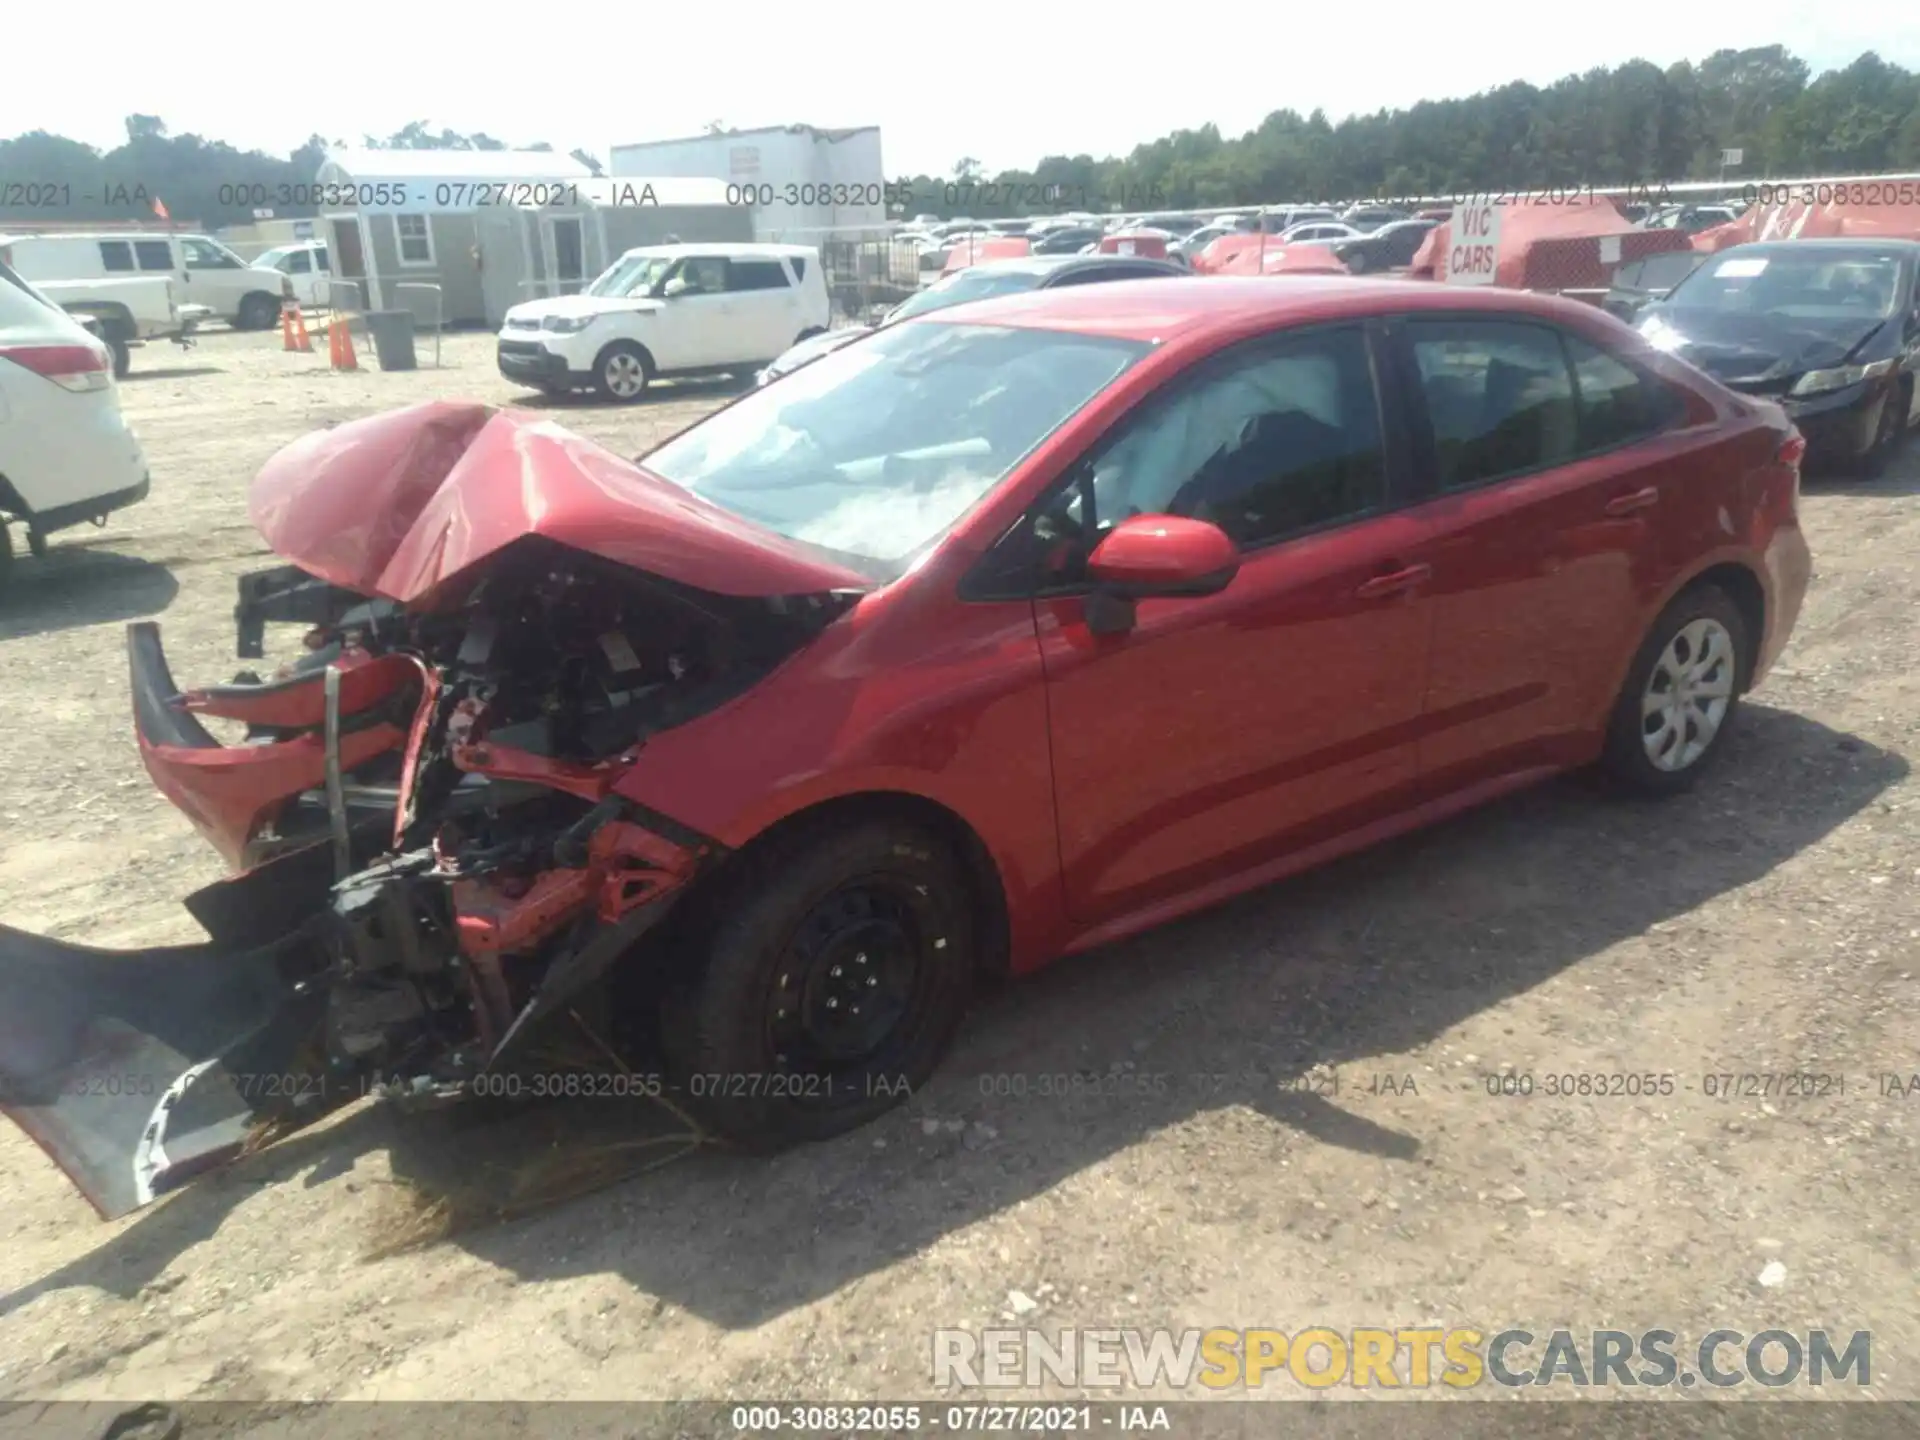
[(1473, 243)]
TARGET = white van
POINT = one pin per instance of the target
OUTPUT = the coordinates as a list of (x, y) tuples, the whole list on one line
[(307, 268), (204, 271), (667, 310)]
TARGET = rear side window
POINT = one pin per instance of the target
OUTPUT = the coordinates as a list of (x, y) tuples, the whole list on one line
[(116, 255), (1618, 404), (756, 275), (1499, 397), (154, 254)]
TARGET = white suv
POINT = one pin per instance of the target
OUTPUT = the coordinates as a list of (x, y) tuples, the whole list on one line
[(66, 454), (668, 310)]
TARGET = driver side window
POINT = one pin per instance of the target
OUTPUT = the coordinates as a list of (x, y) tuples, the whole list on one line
[(1271, 444)]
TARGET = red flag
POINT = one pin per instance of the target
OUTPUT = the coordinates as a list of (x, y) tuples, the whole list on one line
[(160, 209)]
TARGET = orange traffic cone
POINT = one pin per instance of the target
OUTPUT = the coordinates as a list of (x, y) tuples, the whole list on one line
[(340, 343), (293, 328)]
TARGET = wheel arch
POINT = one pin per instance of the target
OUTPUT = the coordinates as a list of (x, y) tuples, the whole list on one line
[(986, 885), (1741, 585), (625, 342)]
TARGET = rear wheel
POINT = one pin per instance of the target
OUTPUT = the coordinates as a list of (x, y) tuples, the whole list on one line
[(36, 545), (837, 968), (1681, 693), (622, 373)]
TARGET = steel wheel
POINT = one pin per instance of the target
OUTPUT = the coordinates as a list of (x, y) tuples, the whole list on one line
[(1687, 695), (847, 977)]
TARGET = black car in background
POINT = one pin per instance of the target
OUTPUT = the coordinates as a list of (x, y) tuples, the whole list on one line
[(1067, 239), (1391, 247), (1828, 329), (977, 282), (1638, 283)]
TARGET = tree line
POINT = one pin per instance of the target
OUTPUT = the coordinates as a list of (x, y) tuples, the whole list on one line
[(1632, 124)]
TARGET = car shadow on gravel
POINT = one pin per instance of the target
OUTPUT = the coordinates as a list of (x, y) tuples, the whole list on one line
[(80, 585), (171, 372), (661, 392), (1251, 1004)]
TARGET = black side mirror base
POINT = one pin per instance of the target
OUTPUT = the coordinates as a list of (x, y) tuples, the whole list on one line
[(1109, 613)]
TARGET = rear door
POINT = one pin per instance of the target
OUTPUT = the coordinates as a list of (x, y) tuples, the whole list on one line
[(1220, 732), (767, 314), (1546, 498)]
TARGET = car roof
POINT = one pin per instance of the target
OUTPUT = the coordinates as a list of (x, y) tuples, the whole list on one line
[(721, 247), (1197, 305), (1049, 265), (1909, 248)]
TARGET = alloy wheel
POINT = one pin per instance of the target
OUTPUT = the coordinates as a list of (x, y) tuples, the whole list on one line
[(626, 376), (1687, 695)]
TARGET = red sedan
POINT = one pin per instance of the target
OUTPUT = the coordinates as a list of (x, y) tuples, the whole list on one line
[(993, 636)]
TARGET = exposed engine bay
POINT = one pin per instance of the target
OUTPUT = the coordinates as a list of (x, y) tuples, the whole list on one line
[(509, 852), (431, 813)]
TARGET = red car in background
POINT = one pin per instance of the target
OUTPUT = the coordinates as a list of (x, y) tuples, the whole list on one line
[(1005, 633)]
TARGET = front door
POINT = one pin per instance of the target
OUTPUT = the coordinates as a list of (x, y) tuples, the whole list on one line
[(1220, 732), (349, 264), (701, 318), (569, 254), (216, 277), (1545, 531)]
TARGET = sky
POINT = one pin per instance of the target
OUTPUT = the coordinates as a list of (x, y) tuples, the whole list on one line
[(1001, 86)]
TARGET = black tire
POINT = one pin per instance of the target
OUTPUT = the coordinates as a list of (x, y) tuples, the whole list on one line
[(36, 545), (1890, 431), (1358, 263), (749, 1029), (1632, 734), (258, 311), (614, 373), (6, 556), (122, 355)]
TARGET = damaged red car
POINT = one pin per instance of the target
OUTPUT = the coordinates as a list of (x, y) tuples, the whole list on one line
[(996, 636)]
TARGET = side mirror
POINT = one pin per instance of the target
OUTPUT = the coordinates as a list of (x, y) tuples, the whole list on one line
[(1149, 556)]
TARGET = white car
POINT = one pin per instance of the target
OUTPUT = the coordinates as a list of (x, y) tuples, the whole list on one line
[(1318, 232), (204, 271), (668, 310), (308, 271), (66, 454)]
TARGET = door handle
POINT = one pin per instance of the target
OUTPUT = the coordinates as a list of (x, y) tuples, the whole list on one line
[(1633, 501), (1394, 583)]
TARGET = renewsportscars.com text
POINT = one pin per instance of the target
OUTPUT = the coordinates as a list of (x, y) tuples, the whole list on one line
[(1391, 1357)]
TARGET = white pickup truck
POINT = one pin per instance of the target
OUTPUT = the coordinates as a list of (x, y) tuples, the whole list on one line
[(125, 312)]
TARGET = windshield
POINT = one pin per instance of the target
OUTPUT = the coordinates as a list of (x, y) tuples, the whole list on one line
[(1794, 285), (876, 450), (631, 275), (965, 285), (270, 259)]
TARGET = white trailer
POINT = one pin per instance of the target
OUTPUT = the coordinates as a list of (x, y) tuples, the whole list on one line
[(797, 180)]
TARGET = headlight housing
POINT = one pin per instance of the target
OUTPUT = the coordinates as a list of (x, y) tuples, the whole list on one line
[(567, 324), (1838, 377)]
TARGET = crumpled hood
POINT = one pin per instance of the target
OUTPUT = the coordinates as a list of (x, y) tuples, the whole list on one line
[(397, 504), (1764, 347)]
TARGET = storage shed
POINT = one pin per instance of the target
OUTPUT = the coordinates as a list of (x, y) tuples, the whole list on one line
[(477, 231)]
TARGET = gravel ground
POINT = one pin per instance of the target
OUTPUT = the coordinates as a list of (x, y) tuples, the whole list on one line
[(1768, 922)]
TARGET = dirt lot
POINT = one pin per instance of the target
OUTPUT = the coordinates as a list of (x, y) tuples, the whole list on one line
[(1769, 922)]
